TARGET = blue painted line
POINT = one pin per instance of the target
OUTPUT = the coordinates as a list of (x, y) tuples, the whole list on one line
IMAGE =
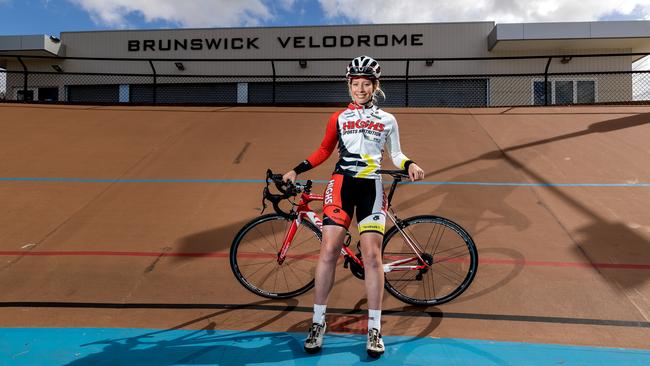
[(142, 347), (495, 184)]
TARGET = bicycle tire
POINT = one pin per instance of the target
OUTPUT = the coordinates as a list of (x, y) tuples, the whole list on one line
[(452, 269), (254, 260)]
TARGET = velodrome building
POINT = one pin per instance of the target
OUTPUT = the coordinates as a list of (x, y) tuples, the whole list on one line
[(469, 63)]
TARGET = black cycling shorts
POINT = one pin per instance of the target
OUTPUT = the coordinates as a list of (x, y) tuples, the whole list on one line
[(345, 193)]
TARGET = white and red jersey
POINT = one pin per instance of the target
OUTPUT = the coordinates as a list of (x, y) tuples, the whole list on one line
[(361, 134)]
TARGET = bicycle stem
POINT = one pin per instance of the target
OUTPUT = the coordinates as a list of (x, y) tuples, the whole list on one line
[(414, 246)]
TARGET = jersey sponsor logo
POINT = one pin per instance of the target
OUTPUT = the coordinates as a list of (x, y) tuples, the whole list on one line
[(361, 124), (328, 193), (371, 227)]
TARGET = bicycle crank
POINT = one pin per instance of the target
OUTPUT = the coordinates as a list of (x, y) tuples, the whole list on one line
[(355, 267)]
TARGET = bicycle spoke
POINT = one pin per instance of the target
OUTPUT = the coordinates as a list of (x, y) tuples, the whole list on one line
[(408, 281), (274, 238), (301, 243), (255, 261), (294, 272), (429, 238), (459, 275), (449, 279), (300, 270), (274, 247), (464, 246), (253, 264), (424, 282), (446, 245), (275, 280), (284, 274), (252, 274), (448, 258), (439, 240)]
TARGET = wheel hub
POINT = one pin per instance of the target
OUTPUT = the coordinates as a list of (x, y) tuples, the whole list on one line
[(428, 259)]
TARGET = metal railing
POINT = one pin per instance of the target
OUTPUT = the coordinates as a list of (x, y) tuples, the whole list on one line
[(413, 82)]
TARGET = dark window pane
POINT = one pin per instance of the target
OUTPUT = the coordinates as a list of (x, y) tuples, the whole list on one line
[(94, 93), (586, 91), (538, 90), (564, 92)]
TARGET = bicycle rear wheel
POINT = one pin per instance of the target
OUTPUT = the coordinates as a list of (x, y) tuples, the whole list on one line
[(448, 249), (254, 257)]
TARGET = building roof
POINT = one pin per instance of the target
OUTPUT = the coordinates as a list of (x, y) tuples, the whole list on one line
[(632, 35), (31, 45)]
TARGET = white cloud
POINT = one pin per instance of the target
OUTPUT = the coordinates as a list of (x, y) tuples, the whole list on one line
[(501, 11), (188, 13), (215, 13), (287, 4)]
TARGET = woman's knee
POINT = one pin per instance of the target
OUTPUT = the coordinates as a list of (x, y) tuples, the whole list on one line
[(371, 251), (372, 261), (330, 251)]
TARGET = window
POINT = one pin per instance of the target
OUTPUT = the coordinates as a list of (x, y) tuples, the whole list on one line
[(539, 91), (565, 91), (586, 91), (48, 94), (21, 95)]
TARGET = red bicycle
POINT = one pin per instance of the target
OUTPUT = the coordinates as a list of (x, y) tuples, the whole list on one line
[(428, 260)]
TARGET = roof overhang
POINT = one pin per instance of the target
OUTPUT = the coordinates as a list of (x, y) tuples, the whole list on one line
[(34, 45), (616, 35)]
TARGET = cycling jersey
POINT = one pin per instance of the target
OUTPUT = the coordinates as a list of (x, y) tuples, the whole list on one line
[(361, 133)]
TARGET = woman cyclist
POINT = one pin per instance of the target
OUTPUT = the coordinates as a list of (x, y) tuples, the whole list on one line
[(361, 131)]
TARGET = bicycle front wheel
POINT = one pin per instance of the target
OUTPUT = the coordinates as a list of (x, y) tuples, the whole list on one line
[(450, 255), (254, 257)]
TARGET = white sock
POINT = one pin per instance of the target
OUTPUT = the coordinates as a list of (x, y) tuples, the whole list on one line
[(374, 319), (319, 314)]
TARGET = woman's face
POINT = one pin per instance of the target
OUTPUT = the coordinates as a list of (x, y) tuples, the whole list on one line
[(361, 90)]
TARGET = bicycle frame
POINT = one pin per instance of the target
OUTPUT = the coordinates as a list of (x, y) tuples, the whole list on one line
[(302, 211), (398, 265)]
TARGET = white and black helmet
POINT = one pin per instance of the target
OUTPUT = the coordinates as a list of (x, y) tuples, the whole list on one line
[(363, 66)]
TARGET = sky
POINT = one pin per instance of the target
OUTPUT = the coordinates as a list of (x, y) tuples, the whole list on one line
[(55, 16)]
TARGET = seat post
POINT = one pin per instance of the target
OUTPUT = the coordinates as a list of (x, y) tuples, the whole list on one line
[(393, 186)]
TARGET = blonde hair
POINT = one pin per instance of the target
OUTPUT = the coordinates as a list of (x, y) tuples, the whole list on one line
[(376, 85)]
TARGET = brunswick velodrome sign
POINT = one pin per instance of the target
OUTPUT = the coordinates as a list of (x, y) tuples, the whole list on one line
[(240, 43)]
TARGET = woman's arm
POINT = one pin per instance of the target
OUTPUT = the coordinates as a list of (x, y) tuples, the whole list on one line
[(322, 153), (399, 159)]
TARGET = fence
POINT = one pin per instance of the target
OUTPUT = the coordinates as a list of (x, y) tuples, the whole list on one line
[(434, 82)]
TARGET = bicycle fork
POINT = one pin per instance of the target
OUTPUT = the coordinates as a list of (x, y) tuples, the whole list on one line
[(288, 238)]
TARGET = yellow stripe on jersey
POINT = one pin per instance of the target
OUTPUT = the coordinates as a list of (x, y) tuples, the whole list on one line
[(403, 163), (372, 166)]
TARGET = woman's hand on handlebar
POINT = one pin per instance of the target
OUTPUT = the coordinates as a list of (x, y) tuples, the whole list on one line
[(415, 172), (290, 176)]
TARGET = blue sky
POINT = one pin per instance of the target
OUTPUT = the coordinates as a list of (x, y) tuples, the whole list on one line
[(55, 16)]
